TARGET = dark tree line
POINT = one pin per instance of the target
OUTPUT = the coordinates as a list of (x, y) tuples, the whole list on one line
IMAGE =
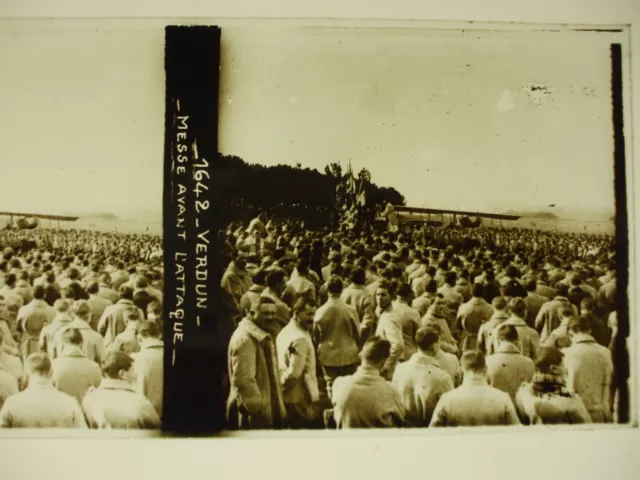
[(241, 190)]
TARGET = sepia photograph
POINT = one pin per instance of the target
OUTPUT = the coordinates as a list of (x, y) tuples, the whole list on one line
[(411, 215), (420, 228), (81, 253), (284, 221), (424, 228)]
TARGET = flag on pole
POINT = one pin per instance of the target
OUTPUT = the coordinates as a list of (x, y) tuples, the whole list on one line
[(362, 200), (351, 181)]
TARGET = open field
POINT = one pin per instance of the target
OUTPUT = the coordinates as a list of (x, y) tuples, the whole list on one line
[(155, 227), (103, 225), (591, 226), (563, 225)]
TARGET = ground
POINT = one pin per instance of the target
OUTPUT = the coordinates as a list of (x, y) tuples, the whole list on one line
[(103, 225)]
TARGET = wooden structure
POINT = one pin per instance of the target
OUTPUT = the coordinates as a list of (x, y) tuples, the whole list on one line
[(30, 220), (434, 216)]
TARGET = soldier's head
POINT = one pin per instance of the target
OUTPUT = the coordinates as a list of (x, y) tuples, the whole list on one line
[(118, 365), (578, 325), (39, 292), (263, 313), (277, 280), (432, 286), (428, 339), (531, 286), (362, 263), (62, 305), (450, 278), (154, 310), (337, 269), (517, 307), (549, 361), (38, 366), (286, 264), (147, 331), (567, 312), (512, 289), (105, 279), (562, 290), (587, 305), (71, 337), (375, 352), (50, 277), (81, 310), (512, 272), (304, 310), (404, 292), (302, 266), (73, 274), (576, 280), (489, 275), (335, 286), (358, 276), (473, 363), (240, 260), (508, 334), (93, 288), (259, 277), (478, 290), (69, 292), (543, 276), (499, 304), (386, 274), (125, 292), (384, 293), (142, 282), (132, 316)]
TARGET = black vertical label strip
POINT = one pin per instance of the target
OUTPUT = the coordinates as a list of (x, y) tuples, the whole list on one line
[(192, 395), (619, 350)]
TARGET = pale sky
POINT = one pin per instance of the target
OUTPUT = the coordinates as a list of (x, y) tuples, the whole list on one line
[(82, 122), (441, 116)]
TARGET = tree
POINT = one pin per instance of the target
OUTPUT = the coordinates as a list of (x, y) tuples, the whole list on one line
[(241, 190)]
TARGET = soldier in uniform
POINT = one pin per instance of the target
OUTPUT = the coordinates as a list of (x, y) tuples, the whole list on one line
[(366, 399), (93, 344), (148, 364), (546, 400), (474, 403), (8, 382), (41, 405), (392, 218), (256, 400), (297, 362), (115, 403), (73, 372), (32, 319), (127, 341)]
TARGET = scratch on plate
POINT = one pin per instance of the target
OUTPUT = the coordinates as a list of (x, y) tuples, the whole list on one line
[(537, 92)]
